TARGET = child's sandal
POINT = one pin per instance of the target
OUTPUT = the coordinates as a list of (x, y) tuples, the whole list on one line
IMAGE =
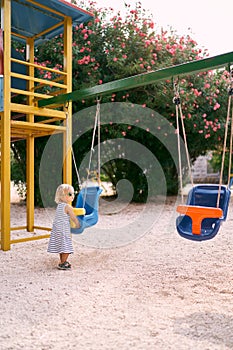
[(67, 264), (64, 266)]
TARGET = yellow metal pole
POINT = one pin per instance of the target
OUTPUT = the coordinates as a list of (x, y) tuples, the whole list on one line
[(67, 136), (30, 144), (6, 130)]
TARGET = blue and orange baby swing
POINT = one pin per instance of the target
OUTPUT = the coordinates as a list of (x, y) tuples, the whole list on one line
[(87, 203), (207, 204)]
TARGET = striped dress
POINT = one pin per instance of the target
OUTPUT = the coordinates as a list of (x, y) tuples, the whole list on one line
[(60, 239)]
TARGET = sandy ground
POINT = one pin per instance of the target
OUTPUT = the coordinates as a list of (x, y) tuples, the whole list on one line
[(157, 292)]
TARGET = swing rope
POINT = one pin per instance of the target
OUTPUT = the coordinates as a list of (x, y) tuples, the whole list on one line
[(230, 93), (230, 100), (96, 123), (98, 175), (179, 113), (76, 168), (67, 143), (176, 100)]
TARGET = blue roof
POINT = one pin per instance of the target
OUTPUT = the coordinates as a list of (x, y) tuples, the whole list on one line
[(31, 19)]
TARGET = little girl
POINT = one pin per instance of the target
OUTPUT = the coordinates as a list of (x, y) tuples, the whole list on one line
[(60, 239)]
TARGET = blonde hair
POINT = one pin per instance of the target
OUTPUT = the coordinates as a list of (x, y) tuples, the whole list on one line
[(61, 191)]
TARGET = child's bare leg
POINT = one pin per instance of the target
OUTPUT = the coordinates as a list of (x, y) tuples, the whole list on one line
[(64, 257)]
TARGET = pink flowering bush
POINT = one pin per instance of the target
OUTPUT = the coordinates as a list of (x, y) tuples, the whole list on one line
[(131, 45), (113, 46)]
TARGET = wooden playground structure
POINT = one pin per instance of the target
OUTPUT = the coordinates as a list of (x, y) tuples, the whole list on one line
[(43, 100), (31, 22)]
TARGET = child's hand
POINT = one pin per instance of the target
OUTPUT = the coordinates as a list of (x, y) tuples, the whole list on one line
[(74, 221), (77, 224)]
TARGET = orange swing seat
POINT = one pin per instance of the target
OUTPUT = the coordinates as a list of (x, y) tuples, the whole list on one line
[(201, 218), (197, 214)]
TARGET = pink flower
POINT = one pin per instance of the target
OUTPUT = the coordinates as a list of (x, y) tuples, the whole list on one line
[(115, 59), (217, 106), (151, 25), (147, 42), (172, 51), (48, 75), (84, 60), (195, 91)]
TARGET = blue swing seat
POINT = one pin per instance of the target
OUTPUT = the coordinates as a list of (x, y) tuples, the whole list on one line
[(91, 206), (204, 196)]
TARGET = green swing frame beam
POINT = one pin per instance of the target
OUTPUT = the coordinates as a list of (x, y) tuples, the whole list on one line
[(142, 79)]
